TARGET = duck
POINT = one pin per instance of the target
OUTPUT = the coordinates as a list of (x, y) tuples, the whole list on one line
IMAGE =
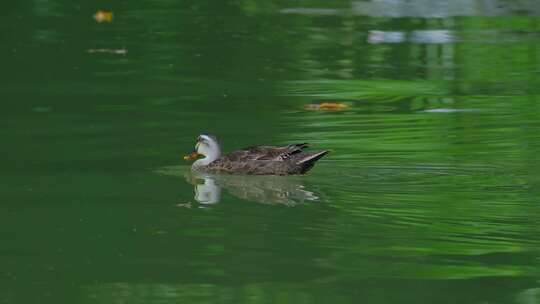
[(255, 160)]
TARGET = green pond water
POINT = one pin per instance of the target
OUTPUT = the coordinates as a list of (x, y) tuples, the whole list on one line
[(430, 194)]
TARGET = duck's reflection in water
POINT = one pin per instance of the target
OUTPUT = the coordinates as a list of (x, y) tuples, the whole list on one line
[(206, 190), (262, 189)]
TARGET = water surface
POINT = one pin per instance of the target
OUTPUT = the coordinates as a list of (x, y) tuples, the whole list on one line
[(430, 194)]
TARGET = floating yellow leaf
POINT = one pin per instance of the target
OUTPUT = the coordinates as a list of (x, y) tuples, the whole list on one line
[(327, 106), (103, 16)]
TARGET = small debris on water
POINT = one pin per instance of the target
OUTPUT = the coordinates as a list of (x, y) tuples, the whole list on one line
[(184, 205), (121, 51)]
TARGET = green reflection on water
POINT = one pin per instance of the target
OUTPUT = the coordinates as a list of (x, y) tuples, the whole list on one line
[(429, 195)]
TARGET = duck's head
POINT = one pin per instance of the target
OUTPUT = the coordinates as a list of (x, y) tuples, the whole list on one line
[(207, 146)]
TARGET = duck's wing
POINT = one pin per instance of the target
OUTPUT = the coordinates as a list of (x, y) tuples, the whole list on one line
[(271, 153)]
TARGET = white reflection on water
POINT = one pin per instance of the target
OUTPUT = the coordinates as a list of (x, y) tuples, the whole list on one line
[(376, 36), (424, 8), (420, 36), (529, 296), (207, 192), (450, 110)]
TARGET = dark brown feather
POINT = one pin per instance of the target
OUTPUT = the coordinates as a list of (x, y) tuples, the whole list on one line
[(267, 160)]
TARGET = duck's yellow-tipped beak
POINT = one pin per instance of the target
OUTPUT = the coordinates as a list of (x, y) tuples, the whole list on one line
[(191, 156)]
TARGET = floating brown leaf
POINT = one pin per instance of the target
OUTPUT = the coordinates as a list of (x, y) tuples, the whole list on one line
[(103, 16), (328, 106)]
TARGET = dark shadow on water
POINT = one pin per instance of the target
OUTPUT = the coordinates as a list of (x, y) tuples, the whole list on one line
[(283, 190)]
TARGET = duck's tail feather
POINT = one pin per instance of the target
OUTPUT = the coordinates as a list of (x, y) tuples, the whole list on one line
[(296, 148), (302, 145), (308, 160)]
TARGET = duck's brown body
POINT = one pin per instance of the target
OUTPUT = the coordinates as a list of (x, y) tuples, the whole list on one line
[(265, 160)]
